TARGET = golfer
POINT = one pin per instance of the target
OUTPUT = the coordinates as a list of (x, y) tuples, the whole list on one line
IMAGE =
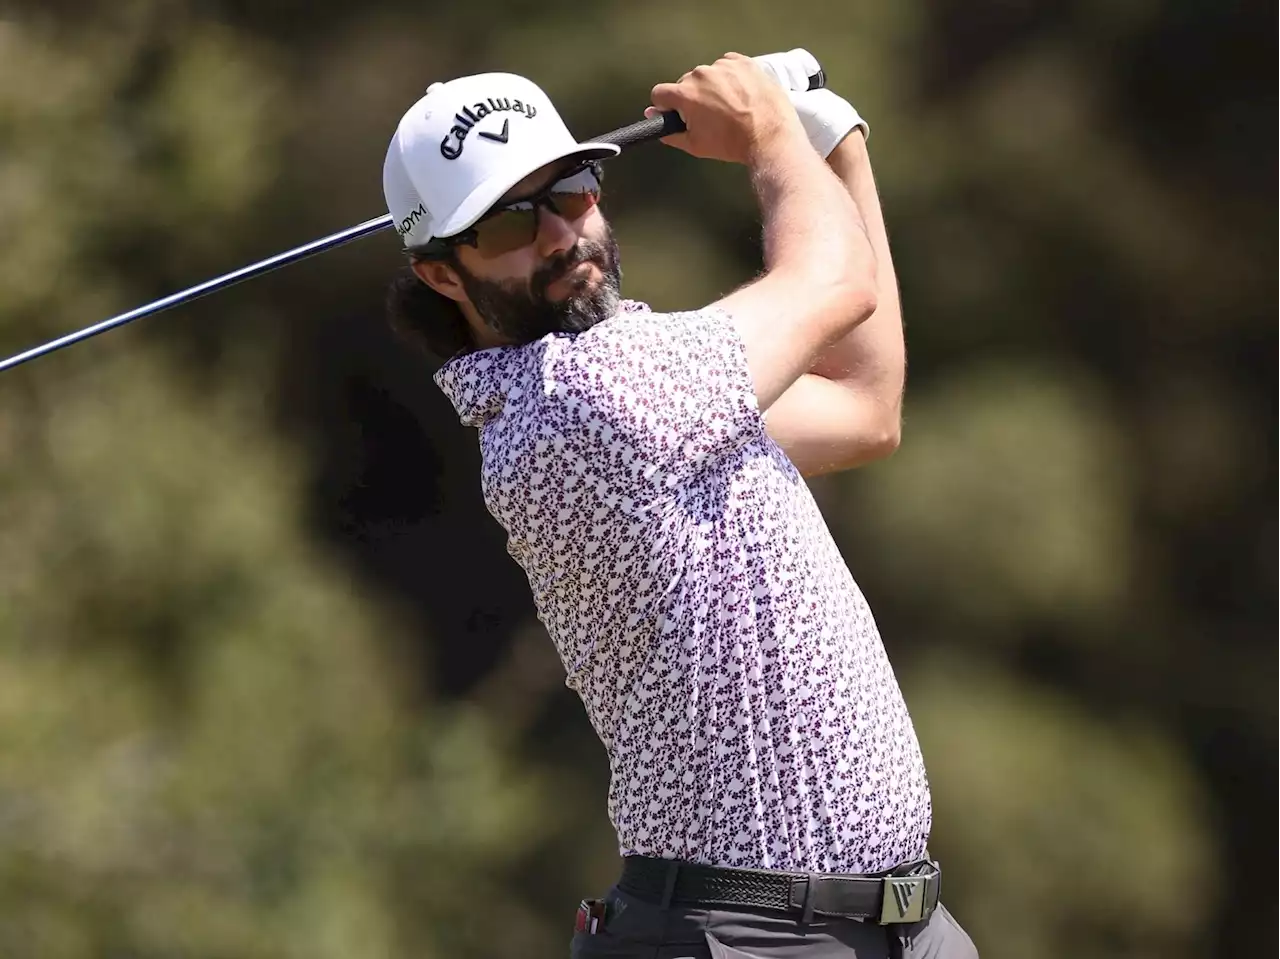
[(767, 786)]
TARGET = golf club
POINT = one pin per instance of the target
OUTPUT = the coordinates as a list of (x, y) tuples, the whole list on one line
[(651, 128)]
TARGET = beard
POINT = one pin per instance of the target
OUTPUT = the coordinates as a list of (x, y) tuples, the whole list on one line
[(520, 310)]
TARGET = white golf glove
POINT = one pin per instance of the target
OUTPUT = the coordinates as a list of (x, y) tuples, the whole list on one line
[(826, 116), (792, 69)]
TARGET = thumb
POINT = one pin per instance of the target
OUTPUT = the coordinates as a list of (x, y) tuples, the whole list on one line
[(668, 96)]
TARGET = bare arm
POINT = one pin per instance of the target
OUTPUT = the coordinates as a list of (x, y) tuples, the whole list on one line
[(819, 281), (847, 409)]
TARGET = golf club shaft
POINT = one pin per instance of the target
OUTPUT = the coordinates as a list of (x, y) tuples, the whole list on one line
[(643, 131), (203, 289), (652, 128)]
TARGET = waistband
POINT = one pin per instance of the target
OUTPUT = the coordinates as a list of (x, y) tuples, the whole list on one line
[(906, 894)]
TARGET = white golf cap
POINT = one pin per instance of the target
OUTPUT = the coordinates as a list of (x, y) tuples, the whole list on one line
[(466, 143)]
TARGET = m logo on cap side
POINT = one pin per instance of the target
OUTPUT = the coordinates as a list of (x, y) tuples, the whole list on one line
[(410, 221), (451, 146)]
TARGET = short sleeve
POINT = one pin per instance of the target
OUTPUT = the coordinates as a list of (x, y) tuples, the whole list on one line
[(656, 396)]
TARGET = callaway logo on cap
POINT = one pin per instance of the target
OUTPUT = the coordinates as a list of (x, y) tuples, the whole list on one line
[(466, 143)]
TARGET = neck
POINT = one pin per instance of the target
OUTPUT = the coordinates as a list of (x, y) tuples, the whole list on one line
[(483, 337)]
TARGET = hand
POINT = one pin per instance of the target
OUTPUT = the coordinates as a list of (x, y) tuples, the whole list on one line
[(827, 118), (791, 69), (731, 109)]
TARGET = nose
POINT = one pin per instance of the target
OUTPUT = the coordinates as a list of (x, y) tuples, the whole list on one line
[(556, 235)]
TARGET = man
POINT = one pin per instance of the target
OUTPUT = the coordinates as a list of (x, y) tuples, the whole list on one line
[(767, 786)]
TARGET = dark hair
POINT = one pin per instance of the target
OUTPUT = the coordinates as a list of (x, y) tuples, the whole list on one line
[(424, 318)]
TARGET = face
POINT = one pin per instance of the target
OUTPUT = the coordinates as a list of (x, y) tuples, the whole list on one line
[(565, 279)]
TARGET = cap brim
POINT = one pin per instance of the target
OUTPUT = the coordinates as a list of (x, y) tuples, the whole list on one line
[(491, 190)]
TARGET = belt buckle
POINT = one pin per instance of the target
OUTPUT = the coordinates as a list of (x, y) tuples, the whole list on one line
[(909, 899)]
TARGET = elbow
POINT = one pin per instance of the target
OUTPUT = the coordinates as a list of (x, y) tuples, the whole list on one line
[(888, 440), (883, 441), (870, 447), (875, 441)]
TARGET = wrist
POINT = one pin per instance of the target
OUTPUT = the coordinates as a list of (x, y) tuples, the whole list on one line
[(776, 141), (828, 119), (850, 154)]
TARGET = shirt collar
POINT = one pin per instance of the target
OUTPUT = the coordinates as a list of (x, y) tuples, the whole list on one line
[(478, 383)]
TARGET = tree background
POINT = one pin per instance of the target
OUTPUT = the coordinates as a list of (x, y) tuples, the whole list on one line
[(270, 685)]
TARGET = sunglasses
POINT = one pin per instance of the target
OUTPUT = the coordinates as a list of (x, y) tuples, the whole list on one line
[(510, 226)]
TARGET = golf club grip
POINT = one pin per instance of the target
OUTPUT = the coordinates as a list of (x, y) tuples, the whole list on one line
[(650, 128), (666, 124)]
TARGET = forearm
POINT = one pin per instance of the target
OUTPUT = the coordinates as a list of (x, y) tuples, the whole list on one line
[(872, 357), (819, 279), (811, 229)]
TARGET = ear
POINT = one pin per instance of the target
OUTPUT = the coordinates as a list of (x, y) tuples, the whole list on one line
[(441, 277)]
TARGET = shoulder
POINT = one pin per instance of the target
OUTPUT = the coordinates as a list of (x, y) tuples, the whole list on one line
[(642, 352), (638, 336), (643, 370)]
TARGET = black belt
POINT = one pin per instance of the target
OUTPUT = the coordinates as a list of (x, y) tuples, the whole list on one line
[(906, 894)]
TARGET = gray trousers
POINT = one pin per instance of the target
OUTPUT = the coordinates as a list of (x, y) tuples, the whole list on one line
[(639, 930)]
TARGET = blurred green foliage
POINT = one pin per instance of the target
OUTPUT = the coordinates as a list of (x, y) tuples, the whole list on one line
[(269, 686)]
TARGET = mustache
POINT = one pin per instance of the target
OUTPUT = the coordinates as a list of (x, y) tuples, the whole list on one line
[(584, 251)]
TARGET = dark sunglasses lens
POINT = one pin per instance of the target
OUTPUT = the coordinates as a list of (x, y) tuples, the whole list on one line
[(576, 194), (505, 231), (573, 205), (509, 229)]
